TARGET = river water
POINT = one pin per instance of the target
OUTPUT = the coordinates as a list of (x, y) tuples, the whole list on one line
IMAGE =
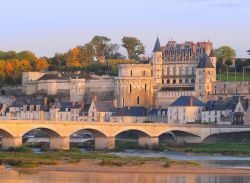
[(12, 176)]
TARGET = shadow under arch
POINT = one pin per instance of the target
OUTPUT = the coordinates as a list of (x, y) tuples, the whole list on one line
[(5, 133), (131, 139), (88, 138), (228, 137), (48, 131)]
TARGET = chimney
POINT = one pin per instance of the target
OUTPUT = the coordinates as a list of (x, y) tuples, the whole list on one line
[(82, 105), (191, 101), (73, 103), (95, 98), (115, 102), (45, 101), (14, 98)]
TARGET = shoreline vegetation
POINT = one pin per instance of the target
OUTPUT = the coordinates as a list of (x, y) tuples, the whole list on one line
[(25, 157), (211, 149)]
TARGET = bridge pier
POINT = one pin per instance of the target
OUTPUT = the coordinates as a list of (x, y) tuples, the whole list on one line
[(104, 143), (148, 141), (59, 143), (12, 141)]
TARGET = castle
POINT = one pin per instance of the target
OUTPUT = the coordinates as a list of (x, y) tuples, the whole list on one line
[(175, 70)]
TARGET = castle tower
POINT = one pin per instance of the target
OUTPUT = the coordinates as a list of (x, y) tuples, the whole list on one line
[(213, 57), (205, 76), (133, 86), (157, 63)]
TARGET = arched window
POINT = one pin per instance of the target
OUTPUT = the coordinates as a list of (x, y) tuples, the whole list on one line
[(180, 81), (130, 88), (192, 81), (168, 81), (186, 80), (138, 100), (174, 81)]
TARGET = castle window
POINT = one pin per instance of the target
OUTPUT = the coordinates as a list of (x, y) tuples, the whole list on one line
[(145, 87), (130, 88), (180, 81), (131, 72), (186, 80), (144, 73), (138, 100), (192, 81), (174, 81), (123, 102), (168, 81), (163, 81)]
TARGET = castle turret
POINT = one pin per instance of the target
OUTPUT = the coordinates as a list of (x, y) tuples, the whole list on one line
[(205, 76), (157, 63), (213, 57)]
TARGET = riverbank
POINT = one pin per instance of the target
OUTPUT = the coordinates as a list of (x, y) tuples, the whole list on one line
[(152, 167), (24, 157)]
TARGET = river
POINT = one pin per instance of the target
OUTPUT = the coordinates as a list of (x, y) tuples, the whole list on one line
[(12, 176)]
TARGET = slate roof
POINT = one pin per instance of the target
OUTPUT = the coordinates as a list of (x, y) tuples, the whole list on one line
[(157, 46), (205, 62), (69, 105), (131, 111), (227, 104), (21, 101), (185, 101), (61, 76), (212, 53), (155, 111), (104, 106)]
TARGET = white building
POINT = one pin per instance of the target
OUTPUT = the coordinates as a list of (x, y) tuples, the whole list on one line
[(186, 109)]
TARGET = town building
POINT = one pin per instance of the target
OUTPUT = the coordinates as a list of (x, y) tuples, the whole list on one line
[(225, 111), (186, 109), (156, 115), (133, 114)]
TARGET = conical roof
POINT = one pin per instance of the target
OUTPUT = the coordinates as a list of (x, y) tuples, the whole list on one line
[(212, 53), (205, 62), (157, 45)]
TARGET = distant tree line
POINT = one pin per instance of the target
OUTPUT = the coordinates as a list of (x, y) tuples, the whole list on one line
[(99, 56)]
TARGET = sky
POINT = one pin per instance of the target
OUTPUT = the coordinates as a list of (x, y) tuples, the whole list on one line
[(46, 27)]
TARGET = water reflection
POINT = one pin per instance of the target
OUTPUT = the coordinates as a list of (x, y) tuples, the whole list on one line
[(10, 176)]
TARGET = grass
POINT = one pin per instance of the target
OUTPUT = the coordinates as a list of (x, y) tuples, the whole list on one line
[(24, 159), (231, 77)]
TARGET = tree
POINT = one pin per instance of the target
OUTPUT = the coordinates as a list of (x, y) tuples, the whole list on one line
[(224, 53), (134, 47), (72, 58), (103, 48), (41, 64), (248, 51), (238, 65)]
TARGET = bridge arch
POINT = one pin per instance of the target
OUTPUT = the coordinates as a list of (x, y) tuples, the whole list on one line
[(95, 132), (50, 132), (6, 133), (182, 136)]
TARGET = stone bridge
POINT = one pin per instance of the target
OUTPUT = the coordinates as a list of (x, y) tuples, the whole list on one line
[(12, 132)]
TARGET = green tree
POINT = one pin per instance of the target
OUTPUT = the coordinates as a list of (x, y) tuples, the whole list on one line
[(224, 53), (103, 48), (238, 65), (134, 47)]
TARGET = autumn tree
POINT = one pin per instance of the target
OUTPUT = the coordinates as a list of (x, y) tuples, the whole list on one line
[(41, 64), (134, 47), (225, 53)]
